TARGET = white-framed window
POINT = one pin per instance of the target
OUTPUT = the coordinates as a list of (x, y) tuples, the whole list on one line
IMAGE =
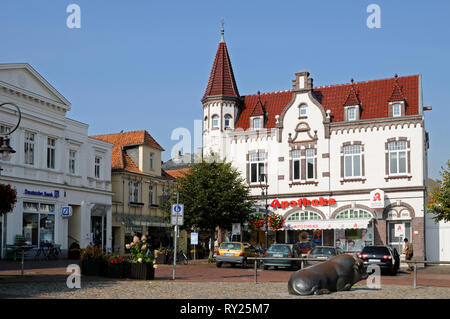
[(257, 167), (38, 223), (29, 148), (133, 191), (72, 161), (303, 215), (151, 195), (51, 149), (397, 157), (296, 165), (351, 114), (302, 110), (310, 163), (257, 123), (227, 120), (151, 161), (352, 161), (215, 121), (97, 166), (396, 109), (354, 213)]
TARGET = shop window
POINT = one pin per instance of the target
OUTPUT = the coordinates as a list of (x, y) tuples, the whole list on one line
[(38, 223), (257, 167), (397, 157), (353, 240)]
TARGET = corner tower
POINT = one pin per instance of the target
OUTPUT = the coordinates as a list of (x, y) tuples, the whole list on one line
[(220, 102)]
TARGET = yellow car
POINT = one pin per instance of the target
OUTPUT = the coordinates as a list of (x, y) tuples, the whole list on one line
[(235, 253)]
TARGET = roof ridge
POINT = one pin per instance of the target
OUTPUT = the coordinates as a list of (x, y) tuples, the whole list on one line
[(361, 82)]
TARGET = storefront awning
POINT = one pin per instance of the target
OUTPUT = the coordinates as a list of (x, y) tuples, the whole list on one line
[(359, 223)]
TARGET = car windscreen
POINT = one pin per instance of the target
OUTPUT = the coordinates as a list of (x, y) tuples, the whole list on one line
[(280, 249), (231, 246), (323, 251), (375, 250)]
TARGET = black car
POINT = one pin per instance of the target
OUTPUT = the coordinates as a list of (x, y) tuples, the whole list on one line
[(384, 256)]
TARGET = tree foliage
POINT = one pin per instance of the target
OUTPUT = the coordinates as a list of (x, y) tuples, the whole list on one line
[(439, 204)]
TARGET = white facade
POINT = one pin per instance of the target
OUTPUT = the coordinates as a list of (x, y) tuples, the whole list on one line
[(53, 155), (311, 137)]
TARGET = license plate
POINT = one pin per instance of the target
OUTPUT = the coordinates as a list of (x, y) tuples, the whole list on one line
[(277, 255), (321, 257), (374, 260), (228, 254)]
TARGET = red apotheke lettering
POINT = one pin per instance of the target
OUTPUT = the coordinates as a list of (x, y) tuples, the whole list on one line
[(303, 202)]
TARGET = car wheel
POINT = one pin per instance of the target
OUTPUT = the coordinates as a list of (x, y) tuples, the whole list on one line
[(276, 267), (244, 264), (219, 264), (232, 265), (266, 267)]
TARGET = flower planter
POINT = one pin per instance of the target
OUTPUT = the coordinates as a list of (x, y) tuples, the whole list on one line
[(91, 267), (115, 270), (143, 271), (161, 259)]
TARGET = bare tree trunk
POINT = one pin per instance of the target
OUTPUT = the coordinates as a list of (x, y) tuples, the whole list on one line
[(211, 245)]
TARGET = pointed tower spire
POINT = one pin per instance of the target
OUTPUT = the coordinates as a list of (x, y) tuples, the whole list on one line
[(221, 80)]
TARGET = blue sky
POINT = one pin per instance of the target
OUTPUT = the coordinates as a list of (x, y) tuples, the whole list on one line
[(145, 64)]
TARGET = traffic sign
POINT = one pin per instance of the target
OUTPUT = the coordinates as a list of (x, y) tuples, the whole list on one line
[(177, 209), (399, 230), (194, 238)]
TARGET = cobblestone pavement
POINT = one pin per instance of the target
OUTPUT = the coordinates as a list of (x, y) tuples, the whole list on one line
[(203, 281), (207, 290)]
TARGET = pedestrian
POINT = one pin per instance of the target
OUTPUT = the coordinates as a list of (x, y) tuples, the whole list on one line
[(408, 251)]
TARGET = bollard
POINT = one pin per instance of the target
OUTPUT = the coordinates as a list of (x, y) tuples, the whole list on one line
[(256, 271), (415, 276)]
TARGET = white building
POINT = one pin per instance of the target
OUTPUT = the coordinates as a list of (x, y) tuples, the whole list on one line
[(324, 150), (56, 164)]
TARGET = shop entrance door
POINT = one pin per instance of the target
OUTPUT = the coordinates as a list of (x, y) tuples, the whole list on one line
[(98, 231), (397, 242)]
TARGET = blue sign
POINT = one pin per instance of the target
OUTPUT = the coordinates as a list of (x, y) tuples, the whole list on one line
[(66, 211), (177, 209), (55, 194)]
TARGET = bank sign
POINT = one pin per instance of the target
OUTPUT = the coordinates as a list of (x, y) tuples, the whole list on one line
[(54, 194), (303, 202)]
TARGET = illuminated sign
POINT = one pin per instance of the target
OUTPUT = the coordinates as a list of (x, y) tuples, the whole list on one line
[(303, 202), (45, 194)]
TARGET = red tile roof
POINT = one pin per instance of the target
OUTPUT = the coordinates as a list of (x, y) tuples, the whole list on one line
[(259, 107), (221, 80), (352, 98), (119, 158), (374, 97), (177, 173)]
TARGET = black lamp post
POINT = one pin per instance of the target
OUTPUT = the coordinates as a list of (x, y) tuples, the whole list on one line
[(5, 149), (264, 194)]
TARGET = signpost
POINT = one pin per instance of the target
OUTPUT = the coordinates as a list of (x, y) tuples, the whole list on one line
[(194, 241), (235, 230), (176, 219)]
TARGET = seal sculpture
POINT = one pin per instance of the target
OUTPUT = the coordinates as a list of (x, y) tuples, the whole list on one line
[(336, 274)]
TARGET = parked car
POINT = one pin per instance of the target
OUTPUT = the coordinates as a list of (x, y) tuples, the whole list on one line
[(235, 253), (384, 256), (322, 252), (282, 251)]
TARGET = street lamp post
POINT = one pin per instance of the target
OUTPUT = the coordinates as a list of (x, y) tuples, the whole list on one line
[(264, 190), (5, 149)]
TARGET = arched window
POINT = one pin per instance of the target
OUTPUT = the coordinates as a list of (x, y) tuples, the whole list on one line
[(227, 120), (215, 121), (303, 215), (302, 110), (354, 213)]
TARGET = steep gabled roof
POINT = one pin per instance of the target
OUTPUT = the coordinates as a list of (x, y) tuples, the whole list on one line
[(352, 98), (258, 110), (397, 94), (221, 80), (177, 173)]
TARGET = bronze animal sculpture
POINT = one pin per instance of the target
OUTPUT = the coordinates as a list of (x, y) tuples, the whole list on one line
[(336, 274)]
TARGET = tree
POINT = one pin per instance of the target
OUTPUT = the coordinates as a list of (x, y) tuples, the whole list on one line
[(439, 203), (8, 198), (214, 195)]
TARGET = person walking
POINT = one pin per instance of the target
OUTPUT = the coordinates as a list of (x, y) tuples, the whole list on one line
[(408, 251)]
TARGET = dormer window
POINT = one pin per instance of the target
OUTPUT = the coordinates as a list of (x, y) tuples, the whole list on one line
[(302, 110), (396, 109), (215, 121), (257, 123), (351, 113)]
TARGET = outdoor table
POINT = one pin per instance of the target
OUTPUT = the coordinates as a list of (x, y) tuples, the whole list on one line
[(23, 249)]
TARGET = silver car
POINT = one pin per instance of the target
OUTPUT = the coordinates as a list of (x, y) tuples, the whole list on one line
[(322, 252)]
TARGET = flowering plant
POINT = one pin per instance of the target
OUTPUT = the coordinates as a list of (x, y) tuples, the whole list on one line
[(140, 251), (116, 259), (275, 221), (256, 222), (8, 198), (91, 253)]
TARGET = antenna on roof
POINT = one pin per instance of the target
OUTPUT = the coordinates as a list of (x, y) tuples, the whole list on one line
[(222, 31)]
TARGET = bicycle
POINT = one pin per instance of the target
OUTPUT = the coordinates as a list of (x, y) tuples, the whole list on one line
[(54, 252), (42, 253), (181, 257)]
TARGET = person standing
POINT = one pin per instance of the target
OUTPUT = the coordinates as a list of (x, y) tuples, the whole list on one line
[(408, 251)]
